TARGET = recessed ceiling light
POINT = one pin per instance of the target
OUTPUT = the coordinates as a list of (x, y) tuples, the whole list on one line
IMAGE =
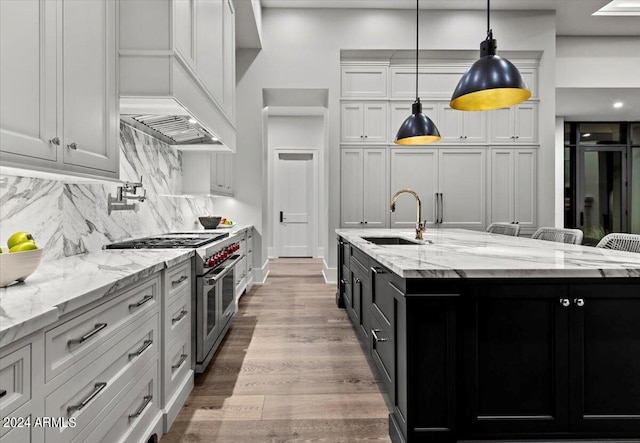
[(620, 7), (193, 121), (618, 105)]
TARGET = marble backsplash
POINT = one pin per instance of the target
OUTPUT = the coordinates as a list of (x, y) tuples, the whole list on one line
[(71, 218)]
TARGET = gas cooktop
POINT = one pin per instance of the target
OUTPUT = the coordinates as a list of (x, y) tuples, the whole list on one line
[(170, 241)]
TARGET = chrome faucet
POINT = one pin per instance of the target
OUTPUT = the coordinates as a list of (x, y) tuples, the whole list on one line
[(419, 225)]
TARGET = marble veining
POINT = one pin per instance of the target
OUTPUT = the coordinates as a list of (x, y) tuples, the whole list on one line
[(459, 253), (62, 286), (71, 218)]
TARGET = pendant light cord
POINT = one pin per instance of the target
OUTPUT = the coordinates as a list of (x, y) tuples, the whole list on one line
[(417, 34), (489, 31)]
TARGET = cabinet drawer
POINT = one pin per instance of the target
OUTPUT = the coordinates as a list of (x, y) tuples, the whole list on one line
[(179, 279), (89, 393), (177, 364), (382, 295), (17, 432), (361, 258), (132, 415), (15, 381), (383, 353), (178, 316), (67, 344)]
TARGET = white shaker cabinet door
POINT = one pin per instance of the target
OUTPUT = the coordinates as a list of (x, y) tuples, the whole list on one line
[(351, 182), (184, 30), (209, 46), (525, 188), (352, 124), (375, 122), (450, 124), (89, 96), (526, 123), (415, 169), (502, 130), (474, 127), (229, 61), (375, 189), (28, 80), (502, 186), (463, 187)]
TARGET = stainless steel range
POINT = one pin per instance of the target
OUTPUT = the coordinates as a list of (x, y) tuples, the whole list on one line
[(215, 301)]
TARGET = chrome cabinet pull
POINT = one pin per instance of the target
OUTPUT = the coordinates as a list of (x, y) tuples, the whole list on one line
[(441, 207), (98, 327), (565, 302), (3, 392), (55, 141), (145, 345), (182, 315), (178, 281), (97, 388), (72, 145), (147, 399), (146, 299), (374, 332), (579, 302), (183, 358), (376, 270), (357, 281)]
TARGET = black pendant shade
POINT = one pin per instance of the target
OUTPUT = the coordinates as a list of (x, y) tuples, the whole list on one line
[(417, 129), (492, 82)]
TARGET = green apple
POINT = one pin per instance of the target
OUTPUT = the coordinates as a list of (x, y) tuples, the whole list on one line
[(17, 238), (28, 245)]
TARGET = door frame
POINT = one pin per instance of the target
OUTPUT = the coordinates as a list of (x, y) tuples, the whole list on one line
[(580, 151), (314, 207)]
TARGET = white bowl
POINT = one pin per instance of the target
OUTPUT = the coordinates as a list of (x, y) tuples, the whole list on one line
[(18, 265)]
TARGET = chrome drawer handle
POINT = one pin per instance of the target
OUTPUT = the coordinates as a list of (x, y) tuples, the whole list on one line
[(229, 314), (377, 270), (141, 302), (98, 327), (55, 141), (579, 302), (73, 146), (97, 388), (147, 399), (182, 315), (3, 392), (183, 358), (565, 302), (375, 335), (145, 345), (178, 281)]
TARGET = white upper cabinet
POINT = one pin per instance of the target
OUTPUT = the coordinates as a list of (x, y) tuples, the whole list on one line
[(229, 60), (364, 122), (461, 126), (210, 49), (434, 82), (518, 124), (184, 13), (58, 86), (364, 81)]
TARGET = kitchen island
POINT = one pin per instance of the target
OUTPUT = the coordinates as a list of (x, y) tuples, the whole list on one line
[(479, 336)]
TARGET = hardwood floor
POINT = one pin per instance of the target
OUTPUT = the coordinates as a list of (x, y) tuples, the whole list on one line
[(289, 370)]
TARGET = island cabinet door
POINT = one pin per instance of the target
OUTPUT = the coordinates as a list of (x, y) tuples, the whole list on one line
[(514, 360), (605, 359), (361, 294)]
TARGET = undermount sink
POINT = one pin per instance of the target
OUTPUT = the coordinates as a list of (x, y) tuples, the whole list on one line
[(393, 241)]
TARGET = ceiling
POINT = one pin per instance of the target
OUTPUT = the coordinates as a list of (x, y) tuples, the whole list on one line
[(573, 17)]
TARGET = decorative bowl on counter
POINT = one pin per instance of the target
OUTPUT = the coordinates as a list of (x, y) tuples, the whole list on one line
[(210, 222), (18, 265)]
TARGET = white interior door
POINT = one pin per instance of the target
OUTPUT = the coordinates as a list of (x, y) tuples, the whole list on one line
[(295, 200)]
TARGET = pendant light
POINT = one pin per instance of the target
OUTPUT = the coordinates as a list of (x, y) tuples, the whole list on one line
[(417, 129), (491, 82)]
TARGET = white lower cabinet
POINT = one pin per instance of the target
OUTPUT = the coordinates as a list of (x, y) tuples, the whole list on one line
[(117, 371), (514, 187), (451, 183), (364, 188)]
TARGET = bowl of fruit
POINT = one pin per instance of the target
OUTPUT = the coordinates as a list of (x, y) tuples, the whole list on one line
[(19, 259)]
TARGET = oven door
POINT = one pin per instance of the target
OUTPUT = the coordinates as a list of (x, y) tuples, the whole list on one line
[(207, 310), (227, 295)]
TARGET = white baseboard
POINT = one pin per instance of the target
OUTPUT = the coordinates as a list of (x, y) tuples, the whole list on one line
[(320, 252), (330, 274), (260, 275)]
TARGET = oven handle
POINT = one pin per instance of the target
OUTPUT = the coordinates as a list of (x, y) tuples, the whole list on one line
[(210, 281)]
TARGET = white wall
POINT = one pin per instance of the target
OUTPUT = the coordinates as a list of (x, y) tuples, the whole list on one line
[(301, 49), (598, 62)]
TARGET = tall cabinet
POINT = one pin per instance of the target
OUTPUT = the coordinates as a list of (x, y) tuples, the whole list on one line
[(483, 170), (58, 85)]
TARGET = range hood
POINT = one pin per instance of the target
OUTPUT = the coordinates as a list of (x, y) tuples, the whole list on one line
[(170, 122)]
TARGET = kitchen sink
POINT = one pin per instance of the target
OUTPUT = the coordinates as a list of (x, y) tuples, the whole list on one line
[(393, 241)]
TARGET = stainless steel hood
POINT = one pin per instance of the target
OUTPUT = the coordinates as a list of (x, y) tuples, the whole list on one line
[(166, 119), (175, 130)]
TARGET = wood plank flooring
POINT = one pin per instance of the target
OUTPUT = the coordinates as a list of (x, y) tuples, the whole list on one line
[(289, 370)]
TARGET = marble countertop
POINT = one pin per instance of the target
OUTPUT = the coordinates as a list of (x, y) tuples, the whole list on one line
[(460, 253), (62, 286)]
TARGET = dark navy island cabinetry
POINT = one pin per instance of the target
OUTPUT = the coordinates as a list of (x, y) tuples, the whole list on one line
[(484, 355)]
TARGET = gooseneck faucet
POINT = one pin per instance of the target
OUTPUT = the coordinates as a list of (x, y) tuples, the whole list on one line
[(419, 225)]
